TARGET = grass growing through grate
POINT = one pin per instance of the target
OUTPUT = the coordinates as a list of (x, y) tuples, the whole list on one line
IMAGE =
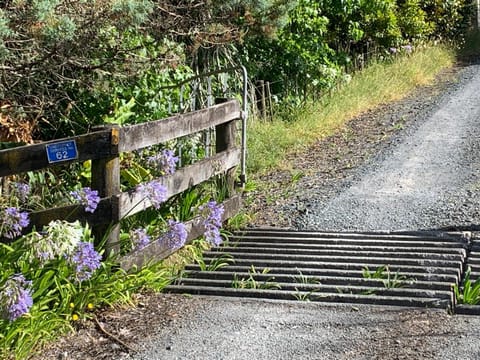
[(305, 280), (250, 282), (469, 293), (383, 273)]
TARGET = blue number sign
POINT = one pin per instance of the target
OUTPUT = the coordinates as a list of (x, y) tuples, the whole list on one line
[(62, 151)]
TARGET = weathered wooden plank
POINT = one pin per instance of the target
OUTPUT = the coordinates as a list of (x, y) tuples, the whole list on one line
[(94, 145), (157, 250), (102, 214), (155, 132), (133, 202)]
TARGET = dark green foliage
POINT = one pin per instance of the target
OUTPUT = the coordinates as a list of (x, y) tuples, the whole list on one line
[(412, 20), (66, 65), (70, 65), (449, 18), (380, 22), (323, 37)]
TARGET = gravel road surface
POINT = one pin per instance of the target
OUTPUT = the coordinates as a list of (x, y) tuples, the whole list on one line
[(223, 329), (426, 177)]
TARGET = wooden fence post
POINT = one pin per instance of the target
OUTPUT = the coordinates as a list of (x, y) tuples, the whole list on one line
[(106, 180), (261, 102), (224, 140), (269, 100)]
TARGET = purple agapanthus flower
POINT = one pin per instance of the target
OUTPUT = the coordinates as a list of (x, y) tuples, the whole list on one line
[(165, 162), (15, 297), (87, 197), (176, 235), (393, 50), (154, 191), (213, 236), (407, 48), (139, 238), (86, 260), (22, 191), (12, 221), (212, 213)]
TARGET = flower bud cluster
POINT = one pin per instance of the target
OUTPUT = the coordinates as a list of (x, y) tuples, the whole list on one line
[(213, 214), (15, 297)]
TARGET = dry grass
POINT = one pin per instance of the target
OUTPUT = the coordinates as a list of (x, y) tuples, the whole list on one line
[(270, 142)]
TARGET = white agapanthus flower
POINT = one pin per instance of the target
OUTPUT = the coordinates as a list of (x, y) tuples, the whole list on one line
[(58, 239)]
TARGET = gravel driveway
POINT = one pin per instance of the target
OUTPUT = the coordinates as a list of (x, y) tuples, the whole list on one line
[(411, 165), (422, 177), (427, 179)]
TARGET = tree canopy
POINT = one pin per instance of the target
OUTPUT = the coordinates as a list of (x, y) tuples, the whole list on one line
[(67, 64)]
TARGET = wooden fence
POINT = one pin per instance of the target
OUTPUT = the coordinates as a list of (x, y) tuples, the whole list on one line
[(104, 146)]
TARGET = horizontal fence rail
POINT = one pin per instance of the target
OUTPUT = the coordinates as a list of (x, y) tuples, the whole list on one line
[(104, 147), (95, 145), (155, 132), (132, 203)]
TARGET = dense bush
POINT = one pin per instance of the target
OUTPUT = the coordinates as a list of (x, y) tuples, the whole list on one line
[(412, 20), (323, 37), (66, 64)]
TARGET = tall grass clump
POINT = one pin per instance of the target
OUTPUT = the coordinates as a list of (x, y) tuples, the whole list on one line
[(384, 81)]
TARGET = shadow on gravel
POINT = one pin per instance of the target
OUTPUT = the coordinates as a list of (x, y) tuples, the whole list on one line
[(455, 228)]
